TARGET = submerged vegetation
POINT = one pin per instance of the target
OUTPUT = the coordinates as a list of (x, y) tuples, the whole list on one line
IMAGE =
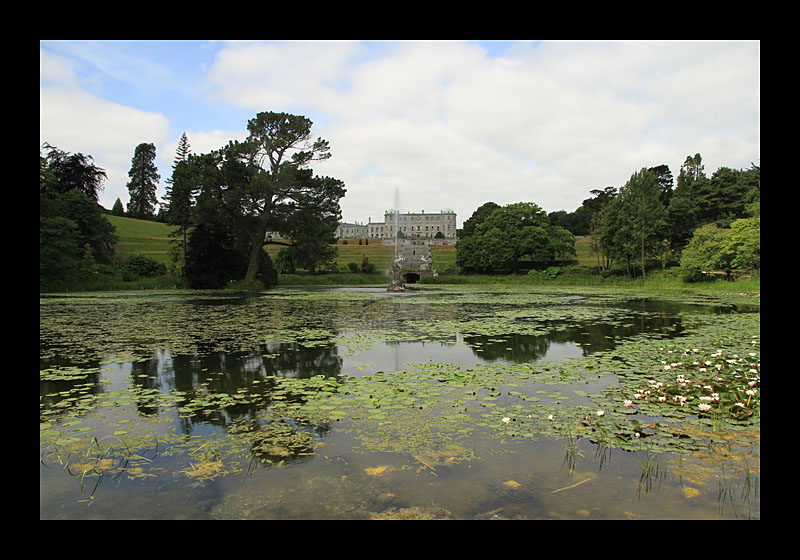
[(128, 381)]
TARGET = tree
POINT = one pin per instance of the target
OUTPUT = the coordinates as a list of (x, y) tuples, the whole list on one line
[(665, 182), (94, 228), (72, 228), (143, 183), (70, 171), (596, 209), (682, 218), (212, 260), (181, 190), (313, 239), (701, 255), (59, 251), (616, 233), (264, 181), (634, 224), (741, 246), (714, 248), (648, 214), (510, 233), (692, 170), (118, 209), (478, 217)]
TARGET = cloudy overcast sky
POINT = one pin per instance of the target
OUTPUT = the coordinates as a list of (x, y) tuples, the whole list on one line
[(447, 124)]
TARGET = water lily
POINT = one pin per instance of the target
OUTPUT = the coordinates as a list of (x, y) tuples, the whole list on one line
[(704, 407), (627, 403), (506, 420), (600, 412)]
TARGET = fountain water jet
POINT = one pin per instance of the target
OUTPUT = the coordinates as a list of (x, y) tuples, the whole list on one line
[(396, 285)]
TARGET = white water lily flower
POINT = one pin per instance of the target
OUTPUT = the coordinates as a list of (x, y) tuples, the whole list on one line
[(506, 420), (704, 407), (627, 403)]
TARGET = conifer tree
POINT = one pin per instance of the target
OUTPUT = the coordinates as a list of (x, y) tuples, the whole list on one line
[(180, 196), (143, 183)]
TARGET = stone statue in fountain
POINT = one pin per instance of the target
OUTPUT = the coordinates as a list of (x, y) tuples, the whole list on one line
[(396, 285)]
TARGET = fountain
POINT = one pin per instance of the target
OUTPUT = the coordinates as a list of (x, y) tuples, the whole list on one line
[(396, 284)]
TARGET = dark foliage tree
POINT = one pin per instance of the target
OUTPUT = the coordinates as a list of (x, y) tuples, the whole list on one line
[(211, 257), (118, 209), (94, 228), (263, 184), (143, 183), (478, 217), (70, 171), (181, 191)]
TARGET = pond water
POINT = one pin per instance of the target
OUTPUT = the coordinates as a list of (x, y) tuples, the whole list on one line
[(436, 403)]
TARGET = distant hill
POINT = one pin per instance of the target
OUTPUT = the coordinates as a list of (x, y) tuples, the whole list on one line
[(140, 237)]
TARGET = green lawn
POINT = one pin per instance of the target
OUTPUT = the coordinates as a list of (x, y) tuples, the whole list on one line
[(140, 237)]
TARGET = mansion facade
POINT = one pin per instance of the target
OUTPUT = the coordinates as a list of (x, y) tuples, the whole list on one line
[(410, 225)]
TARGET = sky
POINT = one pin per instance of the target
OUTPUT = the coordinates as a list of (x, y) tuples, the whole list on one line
[(416, 125)]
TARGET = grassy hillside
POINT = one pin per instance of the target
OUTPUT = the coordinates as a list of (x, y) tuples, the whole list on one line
[(585, 255), (140, 237), (152, 239)]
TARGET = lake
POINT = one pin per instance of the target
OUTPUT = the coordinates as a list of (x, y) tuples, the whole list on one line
[(436, 403)]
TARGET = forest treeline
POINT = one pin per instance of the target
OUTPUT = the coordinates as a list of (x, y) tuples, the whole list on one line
[(703, 224), (225, 204)]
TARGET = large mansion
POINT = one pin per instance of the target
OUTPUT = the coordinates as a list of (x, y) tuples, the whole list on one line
[(409, 225)]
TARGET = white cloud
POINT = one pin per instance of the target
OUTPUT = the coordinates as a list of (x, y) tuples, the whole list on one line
[(452, 127), (76, 121), (281, 76), (448, 124)]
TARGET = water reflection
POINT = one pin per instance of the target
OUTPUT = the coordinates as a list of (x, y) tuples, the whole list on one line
[(211, 371), (193, 385)]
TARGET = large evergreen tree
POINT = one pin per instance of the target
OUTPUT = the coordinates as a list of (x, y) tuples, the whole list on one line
[(263, 182), (180, 195), (143, 183)]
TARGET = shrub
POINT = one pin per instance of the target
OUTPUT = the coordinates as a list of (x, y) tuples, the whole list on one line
[(549, 273), (366, 266), (142, 265)]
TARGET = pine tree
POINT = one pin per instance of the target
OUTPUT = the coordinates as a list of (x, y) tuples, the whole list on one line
[(180, 197), (143, 183), (118, 209)]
